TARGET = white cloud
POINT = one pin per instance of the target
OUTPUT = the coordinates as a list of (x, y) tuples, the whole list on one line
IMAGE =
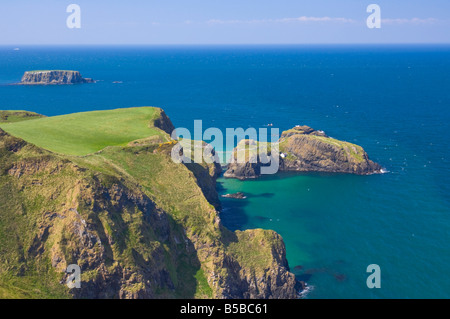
[(316, 19), (409, 21), (326, 19), (302, 19)]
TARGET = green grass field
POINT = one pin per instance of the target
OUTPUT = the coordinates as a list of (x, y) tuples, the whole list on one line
[(87, 132)]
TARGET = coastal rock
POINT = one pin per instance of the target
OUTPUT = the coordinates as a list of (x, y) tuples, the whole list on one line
[(247, 161), (46, 77), (264, 276), (243, 171), (163, 122), (316, 152), (238, 195), (304, 149)]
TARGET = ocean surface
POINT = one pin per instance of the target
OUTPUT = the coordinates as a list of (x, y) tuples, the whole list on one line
[(392, 100)]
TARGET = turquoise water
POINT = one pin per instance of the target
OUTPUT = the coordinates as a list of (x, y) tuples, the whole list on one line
[(392, 100)]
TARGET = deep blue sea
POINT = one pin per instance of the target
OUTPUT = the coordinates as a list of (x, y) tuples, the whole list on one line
[(392, 100)]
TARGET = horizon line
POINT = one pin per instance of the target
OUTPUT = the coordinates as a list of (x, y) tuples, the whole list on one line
[(225, 44)]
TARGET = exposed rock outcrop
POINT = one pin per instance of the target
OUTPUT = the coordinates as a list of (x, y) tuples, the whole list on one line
[(247, 160), (303, 149), (46, 77), (238, 195), (163, 122), (246, 278)]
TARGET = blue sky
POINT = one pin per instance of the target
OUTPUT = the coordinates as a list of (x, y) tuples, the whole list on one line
[(223, 22)]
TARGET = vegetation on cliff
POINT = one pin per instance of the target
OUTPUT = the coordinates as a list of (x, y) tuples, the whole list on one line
[(89, 132), (113, 202), (17, 116)]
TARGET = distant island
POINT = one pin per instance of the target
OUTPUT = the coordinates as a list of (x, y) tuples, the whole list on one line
[(55, 77)]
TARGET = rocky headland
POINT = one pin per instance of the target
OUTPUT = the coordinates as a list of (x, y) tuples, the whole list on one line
[(137, 224), (303, 149)]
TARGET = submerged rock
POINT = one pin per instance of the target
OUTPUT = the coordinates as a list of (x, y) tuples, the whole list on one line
[(46, 77)]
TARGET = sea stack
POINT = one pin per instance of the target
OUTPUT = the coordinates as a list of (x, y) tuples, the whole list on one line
[(46, 77)]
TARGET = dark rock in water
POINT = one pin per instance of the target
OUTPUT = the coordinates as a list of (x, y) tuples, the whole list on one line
[(238, 195), (267, 195), (298, 267), (53, 77), (340, 277)]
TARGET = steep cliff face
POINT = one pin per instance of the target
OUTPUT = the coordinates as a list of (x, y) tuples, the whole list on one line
[(57, 213), (304, 149), (246, 160), (244, 170), (257, 275), (137, 224), (163, 122), (53, 77), (322, 154)]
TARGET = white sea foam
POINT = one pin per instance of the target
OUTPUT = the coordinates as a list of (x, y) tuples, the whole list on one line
[(304, 293)]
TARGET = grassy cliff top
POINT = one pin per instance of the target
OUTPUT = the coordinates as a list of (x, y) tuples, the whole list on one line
[(87, 132), (18, 116)]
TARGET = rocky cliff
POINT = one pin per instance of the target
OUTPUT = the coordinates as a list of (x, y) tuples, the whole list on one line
[(303, 149), (53, 77), (137, 224), (163, 122)]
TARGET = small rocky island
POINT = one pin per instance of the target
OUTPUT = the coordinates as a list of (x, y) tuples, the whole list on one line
[(303, 149), (48, 77), (238, 195)]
